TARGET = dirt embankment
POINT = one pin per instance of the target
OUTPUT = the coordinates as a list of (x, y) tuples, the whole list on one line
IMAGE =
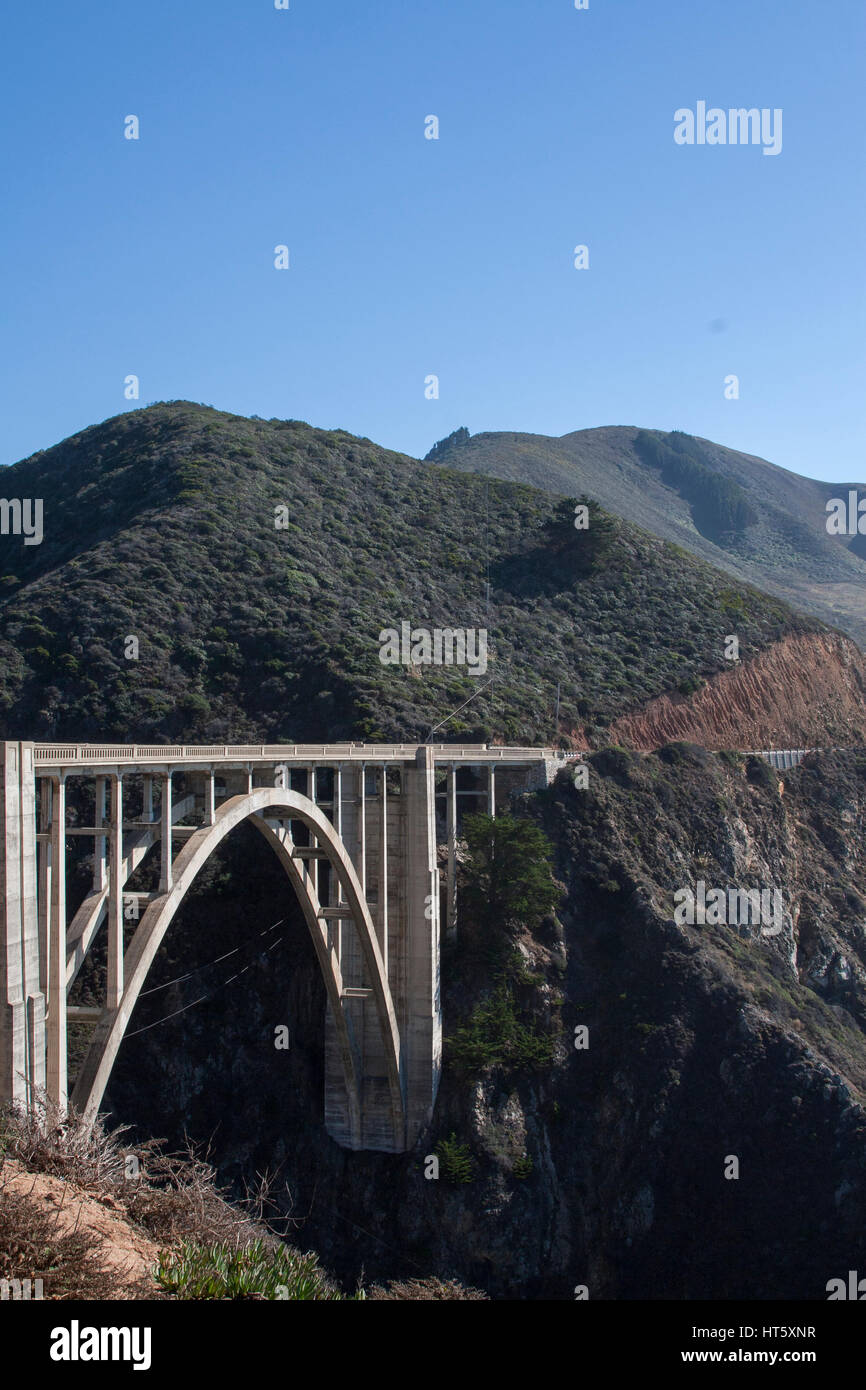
[(805, 691), (127, 1254)]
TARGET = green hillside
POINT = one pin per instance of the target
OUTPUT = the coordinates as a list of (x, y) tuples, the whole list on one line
[(754, 520), (160, 526)]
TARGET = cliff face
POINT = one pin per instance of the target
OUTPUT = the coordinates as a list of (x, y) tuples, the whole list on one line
[(805, 691), (611, 1167)]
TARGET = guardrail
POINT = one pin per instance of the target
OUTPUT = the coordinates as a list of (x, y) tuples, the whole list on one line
[(783, 758), (88, 754)]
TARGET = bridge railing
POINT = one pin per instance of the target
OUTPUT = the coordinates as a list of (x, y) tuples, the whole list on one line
[(85, 754)]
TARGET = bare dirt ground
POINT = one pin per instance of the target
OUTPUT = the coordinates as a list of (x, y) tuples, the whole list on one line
[(126, 1251)]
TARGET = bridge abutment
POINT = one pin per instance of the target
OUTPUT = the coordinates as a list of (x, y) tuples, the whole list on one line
[(22, 998)]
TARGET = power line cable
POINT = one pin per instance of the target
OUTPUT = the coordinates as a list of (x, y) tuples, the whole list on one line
[(135, 1032), (147, 1027), (458, 709), (198, 969)]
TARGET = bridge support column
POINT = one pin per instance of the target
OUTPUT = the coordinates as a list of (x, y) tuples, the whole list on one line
[(337, 930), (165, 873), (22, 1002), (313, 864), (409, 914), (43, 879), (57, 1076), (423, 1013), (382, 912), (99, 863), (209, 798), (114, 988), (451, 896), (362, 827)]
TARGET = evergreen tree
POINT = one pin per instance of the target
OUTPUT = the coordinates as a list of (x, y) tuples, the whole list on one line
[(508, 878)]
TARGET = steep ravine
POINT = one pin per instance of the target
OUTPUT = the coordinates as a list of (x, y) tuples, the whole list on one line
[(705, 1043)]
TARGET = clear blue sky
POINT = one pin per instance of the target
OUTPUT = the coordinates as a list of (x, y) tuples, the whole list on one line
[(411, 256)]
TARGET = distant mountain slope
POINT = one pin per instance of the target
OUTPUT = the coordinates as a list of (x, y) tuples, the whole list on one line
[(166, 603), (685, 490)]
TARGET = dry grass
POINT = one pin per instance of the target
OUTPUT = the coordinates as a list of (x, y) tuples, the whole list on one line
[(171, 1197), (176, 1199), (46, 1141)]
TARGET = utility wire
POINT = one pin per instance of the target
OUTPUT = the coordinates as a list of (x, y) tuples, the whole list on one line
[(147, 1027), (199, 968), (135, 1032), (458, 709)]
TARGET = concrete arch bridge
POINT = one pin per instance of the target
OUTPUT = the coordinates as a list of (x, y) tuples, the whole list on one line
[(357, 828)]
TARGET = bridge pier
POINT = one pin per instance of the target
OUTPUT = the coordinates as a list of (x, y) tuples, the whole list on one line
[(165, 873), (56, 1070), (451, 832), (422, 930), (100, 873)]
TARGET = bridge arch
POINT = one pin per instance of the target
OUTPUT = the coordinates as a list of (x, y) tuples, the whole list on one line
[(263, 807)]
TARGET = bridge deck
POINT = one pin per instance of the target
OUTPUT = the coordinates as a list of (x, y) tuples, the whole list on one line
[(68, 756)]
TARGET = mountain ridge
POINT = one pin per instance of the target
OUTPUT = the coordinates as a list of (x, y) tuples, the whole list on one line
[(787, 551)]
